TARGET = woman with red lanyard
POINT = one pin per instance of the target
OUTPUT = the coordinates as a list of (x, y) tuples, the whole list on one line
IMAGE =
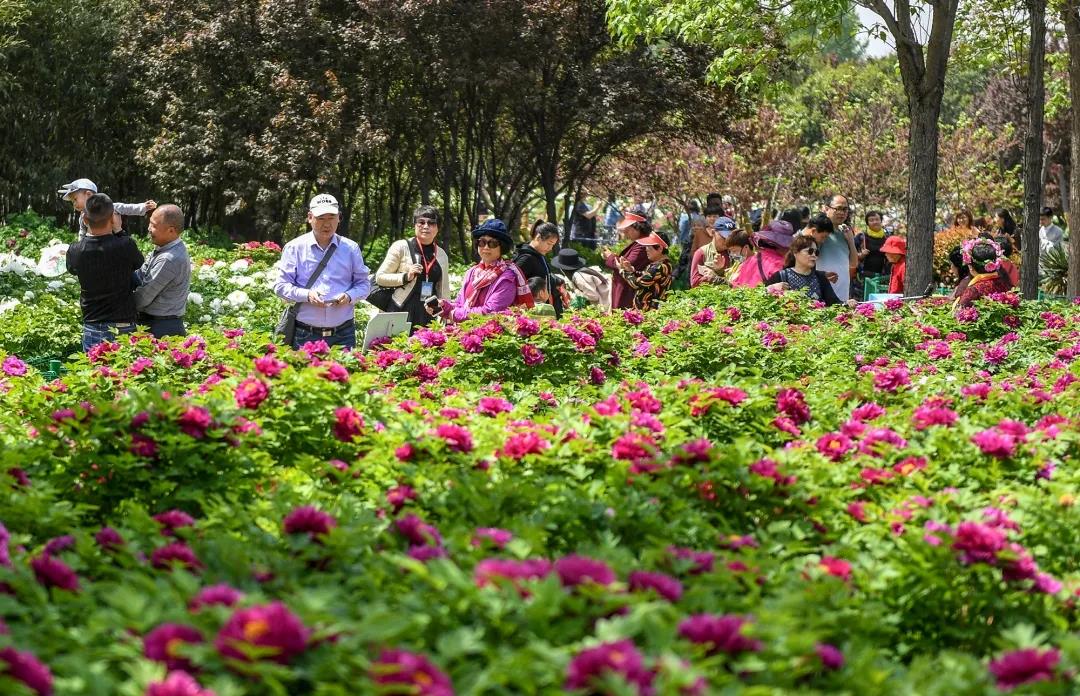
[(416, 268)]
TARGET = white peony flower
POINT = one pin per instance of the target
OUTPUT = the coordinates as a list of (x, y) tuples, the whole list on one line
[(241, 281), (239, 265), (8, 304), (28, 295), (205, 319), (239, 298), (195, 298), (55, 285)]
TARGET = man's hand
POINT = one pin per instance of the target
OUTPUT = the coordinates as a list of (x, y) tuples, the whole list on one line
[(316, 299), (341, 300), (150, 205)]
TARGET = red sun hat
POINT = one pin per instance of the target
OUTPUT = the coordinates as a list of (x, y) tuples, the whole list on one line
[(894, 245), (653, 240), (629, 219)]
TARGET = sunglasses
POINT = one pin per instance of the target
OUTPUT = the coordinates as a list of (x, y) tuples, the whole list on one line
[(488, 242), (811, 250), (426, 222)]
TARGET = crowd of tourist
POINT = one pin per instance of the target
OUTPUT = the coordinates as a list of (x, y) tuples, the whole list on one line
[(323, 276)]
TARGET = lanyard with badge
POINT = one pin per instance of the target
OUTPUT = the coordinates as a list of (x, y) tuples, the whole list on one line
[(427, 288)]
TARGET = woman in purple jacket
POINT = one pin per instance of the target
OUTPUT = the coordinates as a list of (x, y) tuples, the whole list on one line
[(494, 284)]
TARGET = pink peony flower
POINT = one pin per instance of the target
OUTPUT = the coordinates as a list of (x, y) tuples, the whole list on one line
[(308, 520), (335, 372), (165, 557), (700, 561), (24, 667), (195, 421), (13, 367), (705, 316), (926, 416), (521, 445), (270, 366), (52, 572), (277, 633), (532, 355), (995, 443), (171, 520), (576, 570), (1024, 666), (498, 537), (664, 585), (398, 496), (108, 539), (177, 684), (834, 445), (348, 424), (790, 403), (418, 532), (410, 673), (837, 567), (719, 633), (58, 545), (978, 543), (892, 380), (867, 412), (250, 393), (619, 658), (493, 406), (490, 570), (830, 656), (527, 327), (633, 317), (457, 438), (143, 446), (215, 595), (596, 375), (162, 643)]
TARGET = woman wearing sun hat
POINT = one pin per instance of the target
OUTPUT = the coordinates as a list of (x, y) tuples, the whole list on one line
[(895, 250), (588, 283), (633, 226), (710, 262), (492, 285), (983, 258), (772, 243), (652, 284)]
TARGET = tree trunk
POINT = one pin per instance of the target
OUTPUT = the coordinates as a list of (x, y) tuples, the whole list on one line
[(922, 193), (1071, 17), (1033, 153)]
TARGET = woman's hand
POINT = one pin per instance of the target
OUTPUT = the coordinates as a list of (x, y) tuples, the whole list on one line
[(852, 303), (414, 270), (777, 288), (832, 277)]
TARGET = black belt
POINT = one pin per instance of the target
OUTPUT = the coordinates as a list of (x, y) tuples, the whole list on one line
[(150, 317), (323, 331)]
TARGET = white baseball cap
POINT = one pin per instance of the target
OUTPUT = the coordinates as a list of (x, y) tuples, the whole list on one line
[(322, 204), (78, 185)]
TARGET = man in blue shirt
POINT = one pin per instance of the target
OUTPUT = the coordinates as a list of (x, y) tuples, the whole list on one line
[(327, 308)]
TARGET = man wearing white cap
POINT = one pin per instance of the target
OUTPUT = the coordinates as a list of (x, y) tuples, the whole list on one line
[(78, 191), (327, 302)]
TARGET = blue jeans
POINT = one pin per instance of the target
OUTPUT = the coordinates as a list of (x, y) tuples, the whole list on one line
[(95, 332), (344, 335)]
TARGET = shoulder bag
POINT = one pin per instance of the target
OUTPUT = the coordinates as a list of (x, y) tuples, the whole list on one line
[(286, 325)]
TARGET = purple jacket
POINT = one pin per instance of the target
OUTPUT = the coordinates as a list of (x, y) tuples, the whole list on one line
[(494, 298)]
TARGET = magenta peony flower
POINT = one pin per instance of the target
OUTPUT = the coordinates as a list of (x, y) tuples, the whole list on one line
[(429, 338), (493, 406), (705, 316), (409, 673), (426, 553), (348, 424), (277, 632), (834, 445), (335, 372), (177, 684), (498, 537), (1024, 666), (491, 569), (633, 447), (162, 644), (576, 570), (308, 520), (195, 421), (978, 543), (927, 415), (837, 567), (270, 366), (531, 355), (398, 496), (143, 446), (24, 667), (251, 392), (719, 633), (109, 539), (701, 561), (457, 438), (13, 367), (892, 380), (664, 585), (222, 595), (830, 656), (59, 544), (790, 403), (418, 532), (633, 317), (165, 557), (520, 445), (527, 327), (620, 658), (995, 443), (52, 572), (472, 343), (171, 520), (5, 552), (596, 375)]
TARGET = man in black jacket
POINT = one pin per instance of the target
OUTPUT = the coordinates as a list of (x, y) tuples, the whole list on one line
[(532, 262), (104, 263)]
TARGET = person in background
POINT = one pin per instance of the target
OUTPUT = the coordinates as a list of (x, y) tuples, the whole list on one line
[(800, 273), (164, 280), (589, 285), (739, 248), (961, 274), (1003, 223), (983, 259), (542, 297), (794, 217), (868, 243), (772, 244), (727, 204), (712, 260), (895, 250), (532, 258), (633, 227), (965, 223), (80, 190), (838, 253), (1010, 268), (417, 268), (612, 215), (327, 309), (492, 285), (692, 209), (650, 285), (1050, 235), (104, 263), (583, 224)]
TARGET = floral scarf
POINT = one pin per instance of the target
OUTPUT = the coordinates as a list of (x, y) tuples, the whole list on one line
[(484, 275)]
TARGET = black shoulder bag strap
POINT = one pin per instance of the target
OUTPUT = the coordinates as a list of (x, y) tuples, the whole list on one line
[(322, 265), (287, 324)]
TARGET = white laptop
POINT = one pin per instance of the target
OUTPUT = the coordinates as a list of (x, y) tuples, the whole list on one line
[(384, 325)]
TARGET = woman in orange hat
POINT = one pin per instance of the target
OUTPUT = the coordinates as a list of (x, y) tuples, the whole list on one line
[(895, 250), (652, 284), (633, 227)]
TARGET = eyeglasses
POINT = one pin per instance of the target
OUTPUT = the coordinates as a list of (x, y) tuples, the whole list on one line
[(488, 242), (811, 250), (839, 209), (426, 222)]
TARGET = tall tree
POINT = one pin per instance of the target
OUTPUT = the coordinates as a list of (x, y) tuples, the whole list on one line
[(1033, 150), (1070, 15)]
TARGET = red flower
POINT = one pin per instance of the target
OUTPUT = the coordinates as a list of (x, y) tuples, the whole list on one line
[(1024, 666), (720, 633), (576, 570), (409, 673), (457, 438), (177, 684), (277, 633), (837, 567), (178, 552), (52, 572), (250, 393), (790, 402), (162, 644), (620, 658), (308, 520), (348, 424), (24, 667), (195, 421)]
